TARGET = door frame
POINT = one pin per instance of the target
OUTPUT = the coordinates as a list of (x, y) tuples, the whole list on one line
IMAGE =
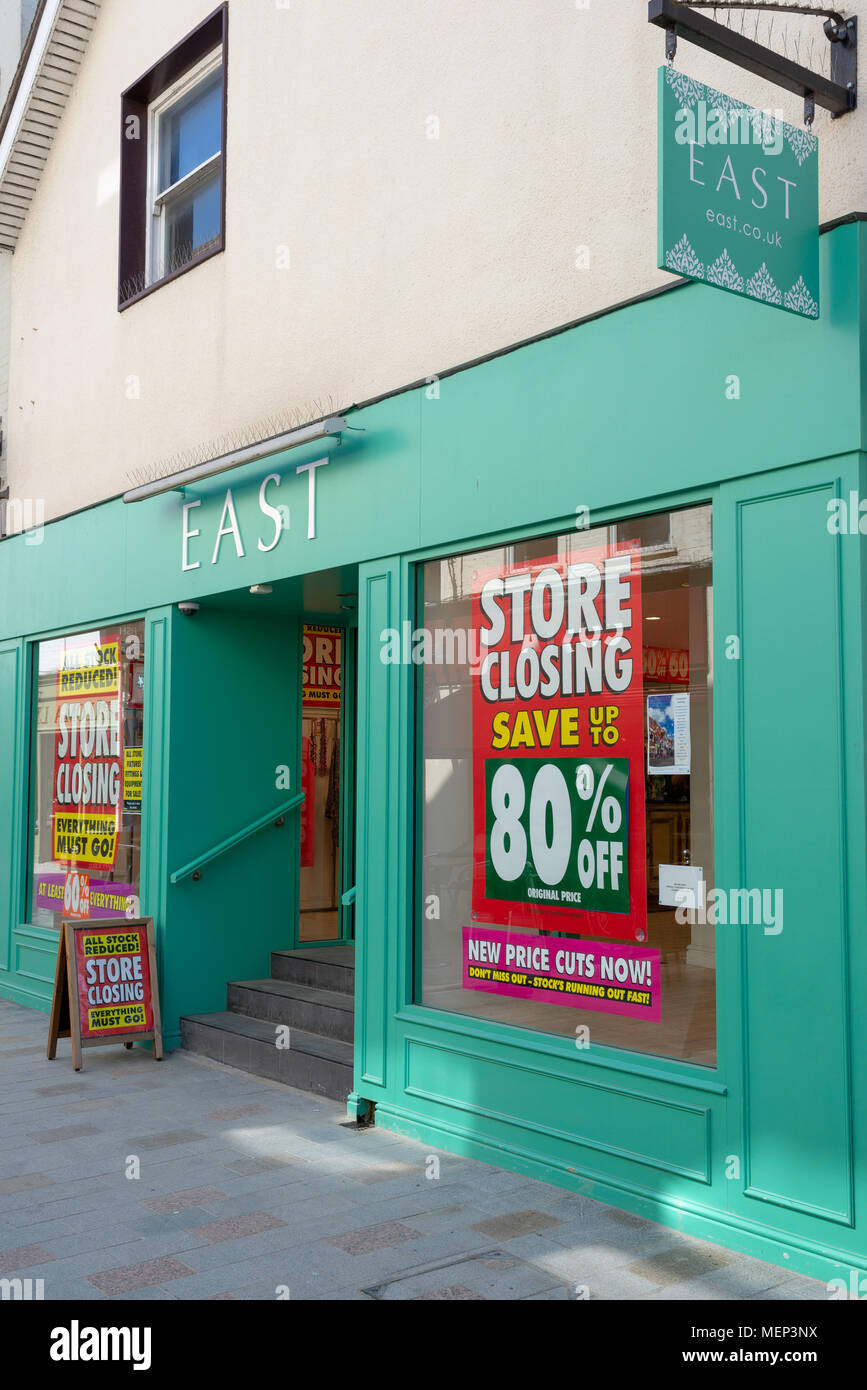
[(346, 821)]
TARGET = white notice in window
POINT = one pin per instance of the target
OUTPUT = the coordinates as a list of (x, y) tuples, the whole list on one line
[(681, 885)]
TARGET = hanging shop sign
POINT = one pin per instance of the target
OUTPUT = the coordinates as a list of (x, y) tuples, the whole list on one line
[(88, 771), (105, 987), (587, 975), (558, 746), (738, 196), (321, 670)]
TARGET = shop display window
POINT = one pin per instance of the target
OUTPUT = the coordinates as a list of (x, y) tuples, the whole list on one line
[(565, 809), (86, 790)]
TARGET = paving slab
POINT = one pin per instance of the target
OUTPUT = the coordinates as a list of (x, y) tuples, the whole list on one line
[(244, 1188)]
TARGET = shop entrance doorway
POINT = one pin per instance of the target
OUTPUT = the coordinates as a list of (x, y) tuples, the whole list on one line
[(327, 775), (294, 966)]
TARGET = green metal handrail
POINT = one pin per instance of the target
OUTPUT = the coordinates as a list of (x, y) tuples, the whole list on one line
[(194, 868)]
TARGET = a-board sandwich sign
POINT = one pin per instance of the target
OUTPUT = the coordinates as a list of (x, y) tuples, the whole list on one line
[(738, 196), (105, 986)]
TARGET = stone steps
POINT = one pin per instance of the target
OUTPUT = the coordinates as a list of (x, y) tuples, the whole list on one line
[(300, 1006), (311, 994), (323, 967)]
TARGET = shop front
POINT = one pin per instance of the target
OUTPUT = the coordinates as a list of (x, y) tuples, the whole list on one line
[(530, 710)]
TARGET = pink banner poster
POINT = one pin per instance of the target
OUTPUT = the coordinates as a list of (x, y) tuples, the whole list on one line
[(616, 979), (106, 899)]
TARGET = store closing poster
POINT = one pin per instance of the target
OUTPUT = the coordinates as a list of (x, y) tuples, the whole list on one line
[(112, 976), (88, 758), (321, 657), (558, 752)]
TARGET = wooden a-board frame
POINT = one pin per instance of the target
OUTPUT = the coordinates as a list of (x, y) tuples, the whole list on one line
[(65, 1021)]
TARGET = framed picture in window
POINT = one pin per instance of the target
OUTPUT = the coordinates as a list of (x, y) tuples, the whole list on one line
[(136, 684)]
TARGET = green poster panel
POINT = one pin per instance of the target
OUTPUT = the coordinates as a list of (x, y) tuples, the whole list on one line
[(557, 832), (738, 196)]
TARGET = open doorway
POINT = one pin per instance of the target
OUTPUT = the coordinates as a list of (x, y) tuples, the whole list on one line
[(327, 714)]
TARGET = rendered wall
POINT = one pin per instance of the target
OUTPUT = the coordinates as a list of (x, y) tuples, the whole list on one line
[(407, 254)]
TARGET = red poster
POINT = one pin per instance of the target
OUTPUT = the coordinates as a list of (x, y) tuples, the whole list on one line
[(112, 979), (321, 655), (308, 786), (88, 756), (76, 896), (666, 665), (558, 745)]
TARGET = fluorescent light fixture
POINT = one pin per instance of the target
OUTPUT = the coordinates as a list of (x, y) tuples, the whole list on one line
[(275, 445)]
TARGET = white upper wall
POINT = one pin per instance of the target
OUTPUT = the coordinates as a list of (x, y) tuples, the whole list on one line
[(408, 254)]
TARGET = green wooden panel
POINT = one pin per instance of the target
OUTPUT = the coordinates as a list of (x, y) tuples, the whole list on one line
[(636, 403), (795, 980), (35, 962), (376, 909), (10, 751), (600, 1123)]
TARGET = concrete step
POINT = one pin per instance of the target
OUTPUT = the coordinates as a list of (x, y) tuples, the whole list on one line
[(300, 1006), (311, 1062), (323, 967)]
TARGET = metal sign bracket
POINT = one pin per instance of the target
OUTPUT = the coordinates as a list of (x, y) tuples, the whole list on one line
[(837, 93)]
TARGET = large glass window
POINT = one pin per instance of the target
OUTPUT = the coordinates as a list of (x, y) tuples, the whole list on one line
[(565, 834), (87, 775)]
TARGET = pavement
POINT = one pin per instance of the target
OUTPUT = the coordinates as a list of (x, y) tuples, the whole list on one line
[(185, 1179)]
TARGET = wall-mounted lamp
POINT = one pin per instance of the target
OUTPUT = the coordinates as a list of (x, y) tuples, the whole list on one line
[(325, 429), (261, 589)]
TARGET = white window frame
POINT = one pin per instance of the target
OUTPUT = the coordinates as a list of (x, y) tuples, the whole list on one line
[(158, 201)]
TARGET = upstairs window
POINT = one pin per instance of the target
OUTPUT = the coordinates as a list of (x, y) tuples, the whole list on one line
[(186, 154), (173, 162)]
